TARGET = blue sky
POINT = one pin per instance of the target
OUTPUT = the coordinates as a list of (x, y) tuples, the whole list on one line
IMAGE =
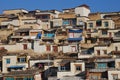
[(95, 5)]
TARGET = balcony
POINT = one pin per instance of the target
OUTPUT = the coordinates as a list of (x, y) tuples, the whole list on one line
[(75, 39)]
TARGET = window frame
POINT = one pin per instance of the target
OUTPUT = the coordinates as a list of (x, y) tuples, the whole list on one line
[(104, 32), (90, 25), (22, 59), (105, 51), (8, 61), (78, 68), (106, 24), (98, 52)]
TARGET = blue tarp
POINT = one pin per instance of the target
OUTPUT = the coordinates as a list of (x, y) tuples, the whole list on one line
[(9, 78), (74, 39), (102, 65), (39, 35), (50, 35), (75, 31), (20, 66), (65, 22)]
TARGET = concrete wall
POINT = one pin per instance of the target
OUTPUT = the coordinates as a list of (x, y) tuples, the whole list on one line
[(2, 19), (56, 62), (5, 33), (116, 45), (52, 78), (39, 48), (111, 24), (38, 77), (73, 67), (15, 11), (57, 22), (67, 15), (28, 23), (66, 73), (95, 16), (108, 48), (13, 22), (72, 71), (117, 63), (45, 25), (32, 62), (111, 73), (101, 48), (82, 11), (13, 62), (68, 48), (16, 47), (71, 78)]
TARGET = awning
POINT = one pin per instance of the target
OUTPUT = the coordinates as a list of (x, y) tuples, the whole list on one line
[(20, 66), (74, 39), (75, 31)]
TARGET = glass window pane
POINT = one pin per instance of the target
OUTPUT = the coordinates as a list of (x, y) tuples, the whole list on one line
[(7, 61)]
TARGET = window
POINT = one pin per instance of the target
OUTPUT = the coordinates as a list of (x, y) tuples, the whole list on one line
[(116, 48), (106, 24), (73, 48), (81, 23), (24, 46), (104, 32), (91, 25), (7, 61), (21, 59), (117, 34), (95, 30), (98, 52), (98, 23), (115, 76), (105, 51), (48, 48), (55, 48), (63, 68), (45, 17), (78, 68)]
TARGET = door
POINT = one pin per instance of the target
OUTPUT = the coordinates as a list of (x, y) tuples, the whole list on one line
[(24, 46), (55, 48), (110, 34), (48, 48), (73, 48)]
